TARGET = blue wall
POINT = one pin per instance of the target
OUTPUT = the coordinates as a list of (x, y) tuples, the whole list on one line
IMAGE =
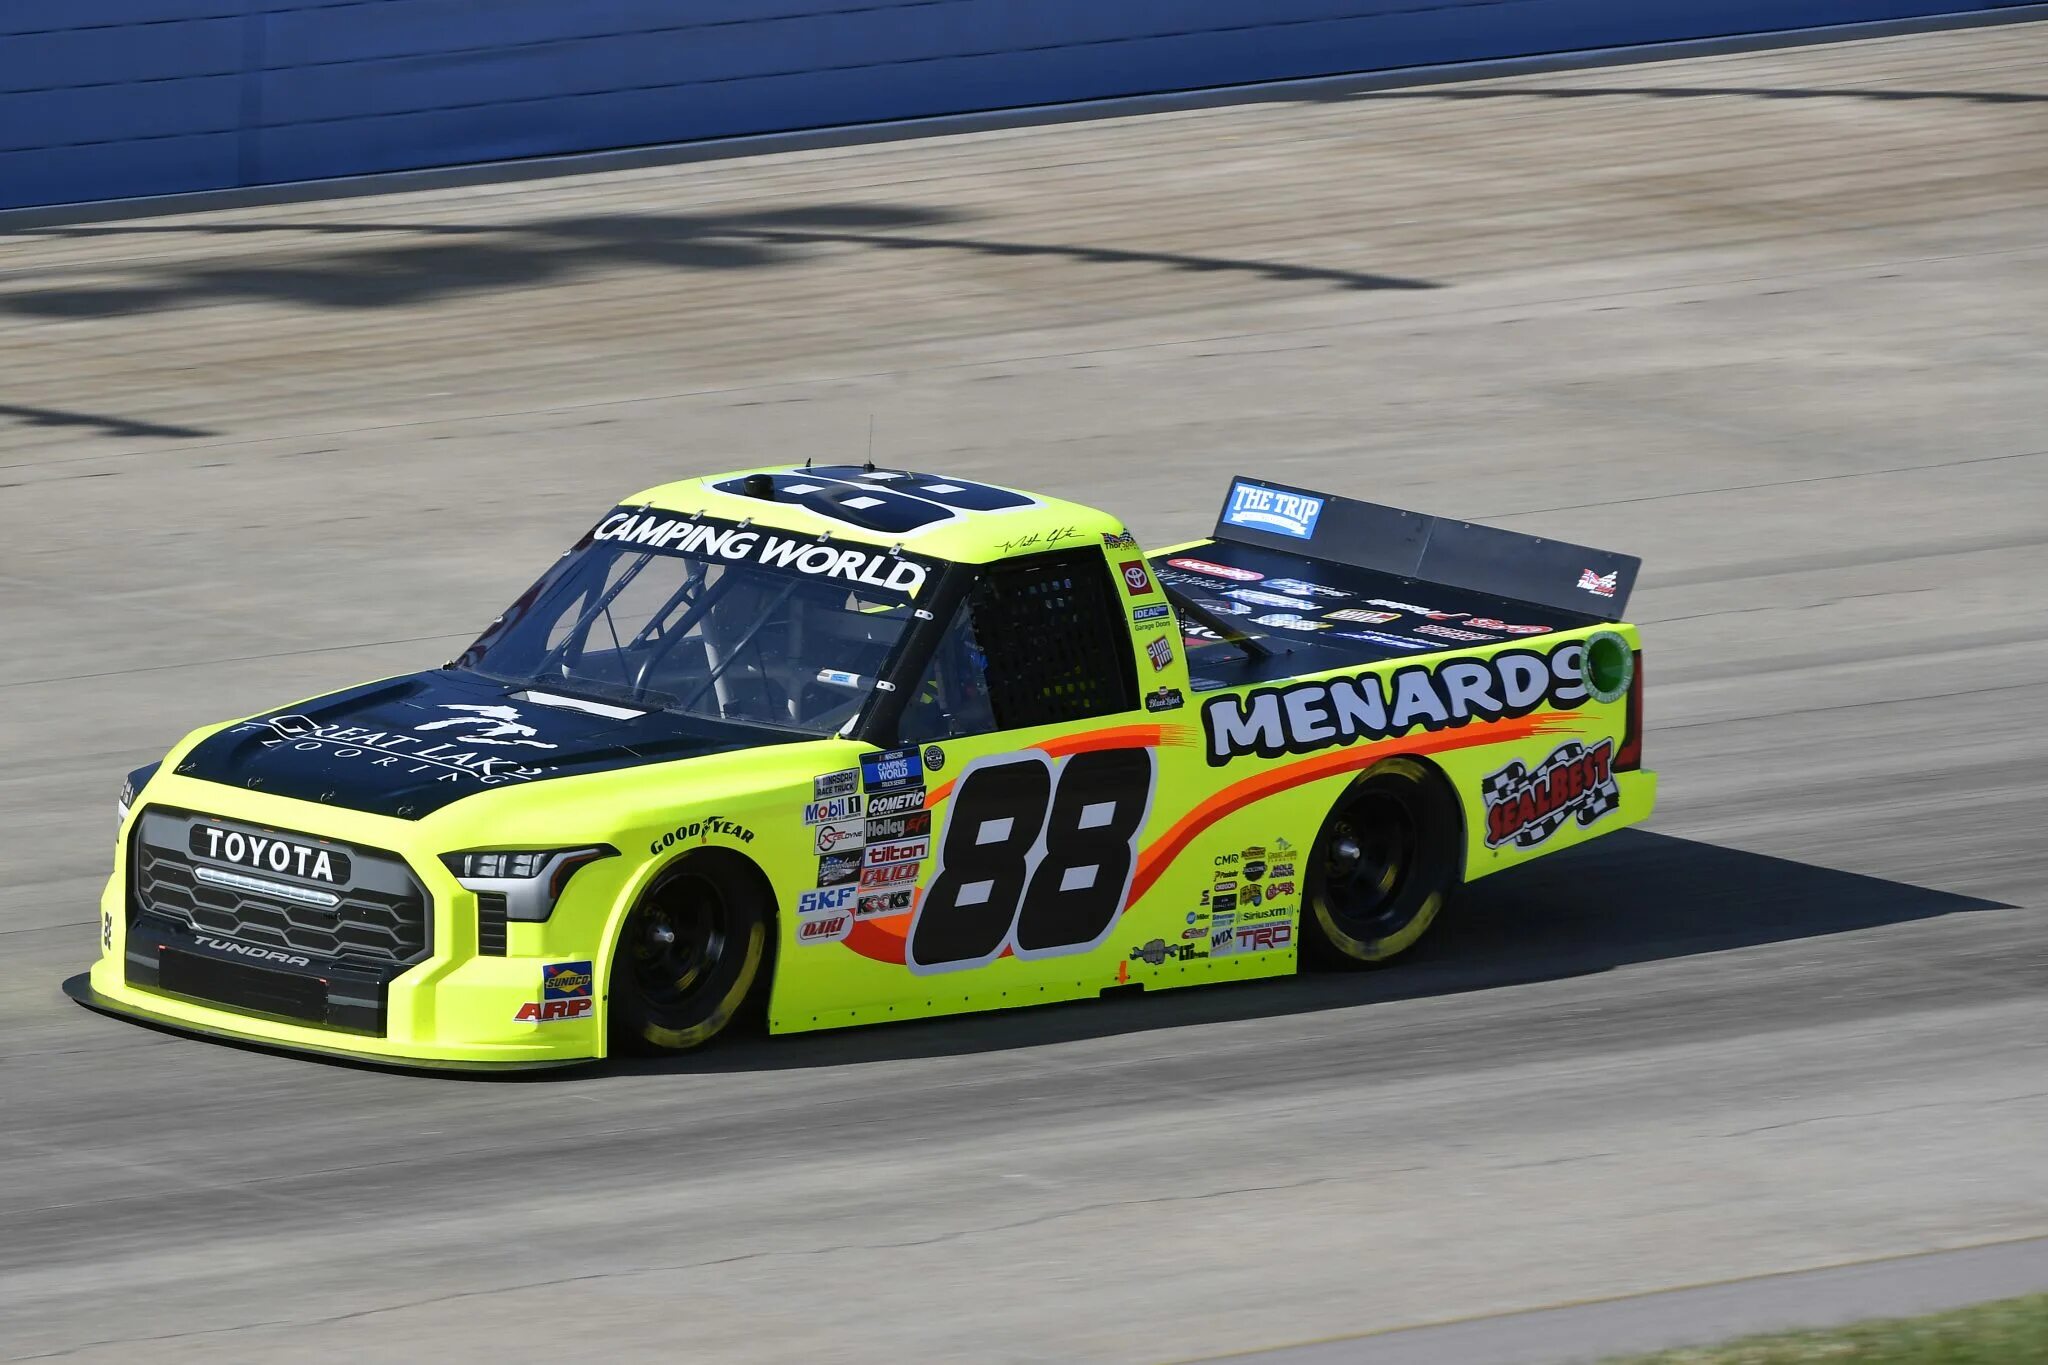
[(105, 99)]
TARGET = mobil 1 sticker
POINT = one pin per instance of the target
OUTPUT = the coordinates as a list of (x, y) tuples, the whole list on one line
[(891, 770), (832, 808), (896, 803)]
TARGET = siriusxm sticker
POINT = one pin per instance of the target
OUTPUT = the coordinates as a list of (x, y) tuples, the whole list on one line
[(1260, 508)]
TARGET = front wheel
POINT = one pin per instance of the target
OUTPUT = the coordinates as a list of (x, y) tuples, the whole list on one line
[(1381, 867), (689, 957)]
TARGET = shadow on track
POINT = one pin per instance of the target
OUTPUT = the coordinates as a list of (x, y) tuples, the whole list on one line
[(422, 262), (1633, 897)]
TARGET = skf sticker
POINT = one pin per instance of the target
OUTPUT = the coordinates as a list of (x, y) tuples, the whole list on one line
[(824, 900)]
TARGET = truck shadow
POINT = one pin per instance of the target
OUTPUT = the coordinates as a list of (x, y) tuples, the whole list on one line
[(1634, 897)]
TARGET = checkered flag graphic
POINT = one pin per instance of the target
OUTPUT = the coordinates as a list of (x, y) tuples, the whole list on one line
[(1592, 802)]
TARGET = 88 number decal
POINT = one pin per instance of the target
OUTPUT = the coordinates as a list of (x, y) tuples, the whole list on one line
[(1035, 859)]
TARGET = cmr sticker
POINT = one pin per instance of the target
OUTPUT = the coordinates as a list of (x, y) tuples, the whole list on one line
[(1259, 508)]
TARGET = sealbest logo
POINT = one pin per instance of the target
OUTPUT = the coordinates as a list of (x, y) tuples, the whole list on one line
[(411, 754), (1261, 508), (1301, 718), (740, 545)]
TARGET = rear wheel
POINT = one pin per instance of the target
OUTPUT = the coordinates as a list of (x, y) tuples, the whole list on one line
[(1381, 867), (691, 955)]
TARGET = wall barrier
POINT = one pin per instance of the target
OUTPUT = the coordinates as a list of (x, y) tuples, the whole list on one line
[(106, 99)]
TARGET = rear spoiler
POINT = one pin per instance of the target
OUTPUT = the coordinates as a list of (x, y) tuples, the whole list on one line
[(1458, 554)]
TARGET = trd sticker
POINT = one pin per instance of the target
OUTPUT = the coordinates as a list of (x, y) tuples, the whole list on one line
[(914, 825), (891, 770), (1363, 617), (824, 900), (1151, 611), (1136, 581), (832, 808), (1525, 806), (826, 929), (1301, 718), (896, 803), (1251, 938), (1228, 572), (1259, 508), (838, 834), (1160, 652), (565, 981), (845, 782)]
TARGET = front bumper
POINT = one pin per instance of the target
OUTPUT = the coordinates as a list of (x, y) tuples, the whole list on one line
[(143, 1007), (455, 1008)]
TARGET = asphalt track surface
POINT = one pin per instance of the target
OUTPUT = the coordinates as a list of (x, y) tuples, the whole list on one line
[(1775, 321)]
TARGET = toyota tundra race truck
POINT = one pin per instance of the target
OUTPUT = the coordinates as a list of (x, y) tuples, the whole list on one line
[(842, 745)]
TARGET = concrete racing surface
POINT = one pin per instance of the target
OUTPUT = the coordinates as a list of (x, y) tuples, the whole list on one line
[(1774, 321)]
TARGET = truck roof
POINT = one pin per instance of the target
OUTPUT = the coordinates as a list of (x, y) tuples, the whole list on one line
[(965, 520)]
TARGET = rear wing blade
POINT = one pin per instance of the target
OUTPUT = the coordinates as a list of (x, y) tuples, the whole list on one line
[(1459, 554)]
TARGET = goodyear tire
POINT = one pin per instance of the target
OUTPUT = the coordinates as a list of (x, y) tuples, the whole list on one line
[(1381, 867), (691, 956)]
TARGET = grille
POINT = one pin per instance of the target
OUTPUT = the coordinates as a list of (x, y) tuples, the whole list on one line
[(381, 916)]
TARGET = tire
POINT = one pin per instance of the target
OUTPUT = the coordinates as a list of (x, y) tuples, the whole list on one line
[(692, 955), (1381, 867)]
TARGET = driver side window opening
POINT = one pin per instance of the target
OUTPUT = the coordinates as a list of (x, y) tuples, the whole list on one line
[(1039, 641)]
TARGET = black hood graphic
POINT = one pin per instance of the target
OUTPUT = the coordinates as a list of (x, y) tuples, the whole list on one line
[(409, 746)]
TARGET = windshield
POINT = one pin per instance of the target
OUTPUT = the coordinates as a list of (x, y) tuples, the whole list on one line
[(709, 619)]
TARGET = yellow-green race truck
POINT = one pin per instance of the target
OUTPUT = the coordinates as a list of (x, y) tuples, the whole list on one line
[(840, 745)]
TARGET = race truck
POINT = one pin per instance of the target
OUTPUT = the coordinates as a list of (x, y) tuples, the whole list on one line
[(839, 745)]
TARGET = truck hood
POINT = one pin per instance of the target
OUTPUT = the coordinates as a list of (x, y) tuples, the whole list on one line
[(408, 746)]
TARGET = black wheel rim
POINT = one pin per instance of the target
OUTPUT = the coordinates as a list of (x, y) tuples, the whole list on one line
[(1368, 862), (678, 943)]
